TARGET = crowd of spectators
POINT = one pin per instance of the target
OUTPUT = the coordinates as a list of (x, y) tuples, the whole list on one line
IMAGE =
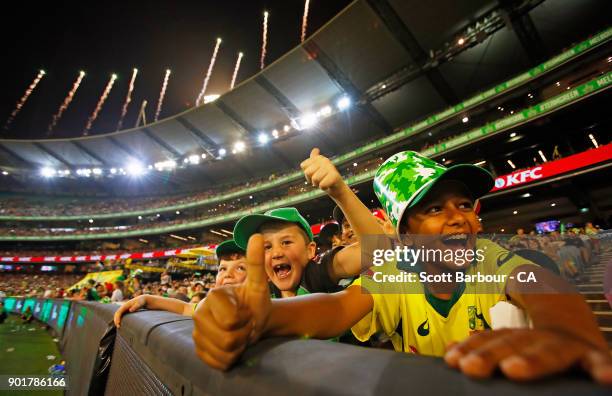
[(567, 254), (33, 206)]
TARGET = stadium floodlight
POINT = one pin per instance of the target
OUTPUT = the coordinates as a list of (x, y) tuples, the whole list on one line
[(90, 221), (222, 152), (515, 212), (275, 134), (343, 103), (461, 41), (263, 138), (239, 146), (47, 172), (203, 155), (210, 98), (286, 128), (113, 171), (5, 173), (308, 120), (553, 204), (139, 217), (135, 168), (325, 111), (194, 159), (97, 171), (465, 119), (178, 212), (511, 164)]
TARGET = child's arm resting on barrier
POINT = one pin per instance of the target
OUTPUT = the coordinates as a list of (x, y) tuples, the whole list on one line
[(153, 302), (564, 334), (232, 317)]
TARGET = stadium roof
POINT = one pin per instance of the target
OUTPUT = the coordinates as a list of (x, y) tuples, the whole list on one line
[(396, 60)]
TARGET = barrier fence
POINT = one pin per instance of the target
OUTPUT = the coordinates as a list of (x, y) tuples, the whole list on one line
[(153, 354)]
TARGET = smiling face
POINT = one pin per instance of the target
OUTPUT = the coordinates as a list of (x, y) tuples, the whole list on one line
[(231, 271), (287, 251), (447, 211)]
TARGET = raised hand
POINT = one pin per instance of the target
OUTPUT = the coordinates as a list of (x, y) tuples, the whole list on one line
[(232, 317), (321, 173)]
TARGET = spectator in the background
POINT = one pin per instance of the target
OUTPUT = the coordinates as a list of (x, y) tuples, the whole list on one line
[(118, 292), (166, 279), (199, 296), (181, 294)]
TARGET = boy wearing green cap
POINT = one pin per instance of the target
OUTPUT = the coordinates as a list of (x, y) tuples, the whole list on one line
[(231, 270), (427, 199), (288, 239)]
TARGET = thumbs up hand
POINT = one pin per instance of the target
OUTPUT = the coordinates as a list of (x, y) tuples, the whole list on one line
[(320, 171), (232, 317)]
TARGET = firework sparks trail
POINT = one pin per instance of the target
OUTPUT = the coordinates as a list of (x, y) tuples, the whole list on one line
[(213, 58), (93, 117), (66, 103), (128, 99), (24, 98), (162, 94), (236, 70), (305, 19), (264, 43)]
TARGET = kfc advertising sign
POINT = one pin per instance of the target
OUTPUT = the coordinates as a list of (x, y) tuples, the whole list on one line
[(554, 168)]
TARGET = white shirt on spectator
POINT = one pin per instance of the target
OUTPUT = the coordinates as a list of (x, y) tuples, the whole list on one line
[(117, 296)]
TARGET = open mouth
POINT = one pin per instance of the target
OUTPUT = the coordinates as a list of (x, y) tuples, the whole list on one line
[(455, 240), (282, 271)]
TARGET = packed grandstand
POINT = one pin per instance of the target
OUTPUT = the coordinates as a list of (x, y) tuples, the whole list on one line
[(517, 90)]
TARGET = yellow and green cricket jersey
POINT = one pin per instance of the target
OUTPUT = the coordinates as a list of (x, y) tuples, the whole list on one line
[(418, 322)]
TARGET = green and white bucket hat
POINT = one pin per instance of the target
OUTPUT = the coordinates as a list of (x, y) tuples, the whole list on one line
[(404, 179)]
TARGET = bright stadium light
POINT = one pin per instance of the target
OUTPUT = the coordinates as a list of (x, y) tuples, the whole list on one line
[(286, 128), (263, 138), (465, 119), (461, 41), (308, 120), (222, 152), (210, 98), (344, 103), (97, 171), (90, 221), (135, 168), (239, 146), (275, 134), (203, 155), (5, 173), (194, 159), (113, 171), (325, 111), (47, 172), (186, 160)]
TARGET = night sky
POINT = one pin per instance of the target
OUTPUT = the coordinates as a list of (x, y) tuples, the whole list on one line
[(108, 37)]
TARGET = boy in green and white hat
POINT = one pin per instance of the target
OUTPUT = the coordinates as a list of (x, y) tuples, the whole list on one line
[(433, 204)]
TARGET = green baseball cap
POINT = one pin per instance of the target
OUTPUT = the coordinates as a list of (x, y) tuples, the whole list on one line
[(249, 225), (228, 247), (404, 179)]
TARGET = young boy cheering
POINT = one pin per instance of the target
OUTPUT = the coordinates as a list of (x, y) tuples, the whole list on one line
[(423, 199)]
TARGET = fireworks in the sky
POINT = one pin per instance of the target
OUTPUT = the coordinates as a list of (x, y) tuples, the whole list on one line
[(66, 103), (236, 70), (128, 99), (162, 94), (264, 43), (23, 99), (93, 117), (213, 58), (305, 19)]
